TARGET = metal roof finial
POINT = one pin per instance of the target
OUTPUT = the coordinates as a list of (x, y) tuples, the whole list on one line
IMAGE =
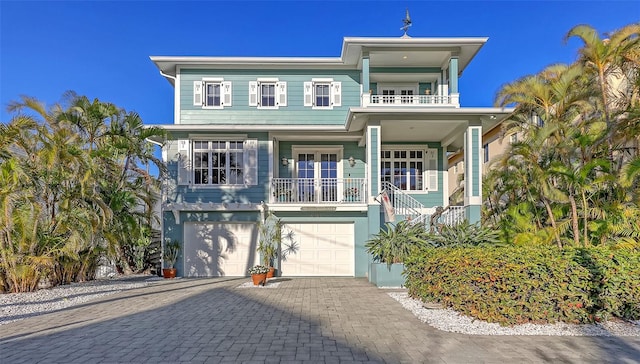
[(407, 23)]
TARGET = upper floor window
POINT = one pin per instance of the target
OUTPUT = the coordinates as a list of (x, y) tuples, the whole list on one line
[(212, 93), (217, 162), (323, 93), (267, 93), (410, 169)]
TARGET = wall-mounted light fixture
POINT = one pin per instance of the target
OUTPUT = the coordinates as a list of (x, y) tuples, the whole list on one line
[(352, 161), (284, 161)]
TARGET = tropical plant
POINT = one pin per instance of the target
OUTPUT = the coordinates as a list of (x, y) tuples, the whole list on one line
[(573, 172), (394, 243), (464, 234), (171, 252), (274, 239), (72, 188)]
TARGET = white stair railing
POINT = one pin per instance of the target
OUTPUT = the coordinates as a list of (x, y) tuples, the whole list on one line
[(404, 204)]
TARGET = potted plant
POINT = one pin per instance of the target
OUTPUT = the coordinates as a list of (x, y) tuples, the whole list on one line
[(282, 193), (259, 274), (390, 247), (352, 194), (170, 256), (274, 241)]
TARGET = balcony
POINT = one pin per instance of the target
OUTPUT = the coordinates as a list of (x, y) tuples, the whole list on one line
[(452, 100), (318, 191)]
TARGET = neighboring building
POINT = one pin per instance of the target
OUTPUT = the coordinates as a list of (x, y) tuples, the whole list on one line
[(316, 141)]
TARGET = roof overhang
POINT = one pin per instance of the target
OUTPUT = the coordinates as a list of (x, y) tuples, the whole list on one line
[(446, 125), (381, 49)]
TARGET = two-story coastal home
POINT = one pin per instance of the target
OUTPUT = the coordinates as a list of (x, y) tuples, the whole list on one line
[(316, 141)]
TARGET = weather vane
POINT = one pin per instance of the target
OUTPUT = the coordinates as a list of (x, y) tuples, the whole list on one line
[(407, 23)]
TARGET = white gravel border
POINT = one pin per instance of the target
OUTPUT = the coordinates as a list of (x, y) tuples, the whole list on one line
[(451, 321), (18, 306)]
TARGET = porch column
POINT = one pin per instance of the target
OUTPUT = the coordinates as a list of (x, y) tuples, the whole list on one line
[(366, 85), (473, 173), (453, 75), (365, 73), (373, 159)]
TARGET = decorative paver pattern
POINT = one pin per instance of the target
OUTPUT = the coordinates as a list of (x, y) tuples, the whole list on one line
[(304, 320)]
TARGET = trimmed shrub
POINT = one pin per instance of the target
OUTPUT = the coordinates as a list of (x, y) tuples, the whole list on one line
[(514, 285)]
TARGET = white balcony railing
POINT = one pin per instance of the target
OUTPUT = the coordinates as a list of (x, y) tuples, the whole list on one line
[(369, 100), (318, 191)]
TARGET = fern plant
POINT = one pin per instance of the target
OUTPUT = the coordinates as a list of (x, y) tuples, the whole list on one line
[(464, 234), (394, 243)]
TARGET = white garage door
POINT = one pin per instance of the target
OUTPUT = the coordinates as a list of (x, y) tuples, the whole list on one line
[(219, 249), (322, 250)]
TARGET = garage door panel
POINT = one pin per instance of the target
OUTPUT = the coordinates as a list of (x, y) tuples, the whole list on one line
[(219, 249), (323, 250)]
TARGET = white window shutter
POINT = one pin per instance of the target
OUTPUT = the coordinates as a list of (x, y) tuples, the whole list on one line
[(184, 162), (336, 93), (253, 93), (197, 93), (226, 93), (432, 170), (281, 93), (250, 154), (308, 94)]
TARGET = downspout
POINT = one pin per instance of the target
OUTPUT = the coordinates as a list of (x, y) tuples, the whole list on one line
[(168, 76)]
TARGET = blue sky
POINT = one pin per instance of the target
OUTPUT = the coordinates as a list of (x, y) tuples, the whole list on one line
[(101, 49)]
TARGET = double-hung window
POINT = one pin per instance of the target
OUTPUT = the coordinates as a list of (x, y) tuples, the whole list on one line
[(212, 93), (217, 162), (268, 93), (410, 168), (323, 93)]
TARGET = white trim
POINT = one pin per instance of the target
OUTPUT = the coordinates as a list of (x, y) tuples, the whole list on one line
[(322, 80), (272, 148), (212, 79), (218, 136), (469, 199), (267, 79), (445, 176), (176, 101), (369, 164), (324, 207)]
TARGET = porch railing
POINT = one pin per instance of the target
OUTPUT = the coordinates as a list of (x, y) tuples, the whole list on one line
[(318, 190), (403, 204), (410, 100)]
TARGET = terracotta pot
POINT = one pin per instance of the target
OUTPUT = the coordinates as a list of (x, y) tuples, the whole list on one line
[(259, 279), (271, 272), (169, 272)]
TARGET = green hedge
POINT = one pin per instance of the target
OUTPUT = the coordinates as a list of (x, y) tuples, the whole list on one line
[(512, 285)]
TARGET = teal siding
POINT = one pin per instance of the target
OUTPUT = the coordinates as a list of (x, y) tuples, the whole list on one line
[(472, 213), (477, 151), (361, 227), (422, 87), (240, 194), (294, 113), (349, 149)]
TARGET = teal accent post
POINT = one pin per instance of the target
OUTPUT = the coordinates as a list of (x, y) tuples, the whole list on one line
[(453, 75), (365, 74)]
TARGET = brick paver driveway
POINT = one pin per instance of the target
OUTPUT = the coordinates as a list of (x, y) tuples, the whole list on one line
[(315, 320)]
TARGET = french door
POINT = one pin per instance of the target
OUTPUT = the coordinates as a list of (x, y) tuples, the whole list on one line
[(317, 176)]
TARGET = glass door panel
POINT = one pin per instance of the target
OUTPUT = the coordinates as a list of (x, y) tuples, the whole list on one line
[(306, 174), (329, 177)]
